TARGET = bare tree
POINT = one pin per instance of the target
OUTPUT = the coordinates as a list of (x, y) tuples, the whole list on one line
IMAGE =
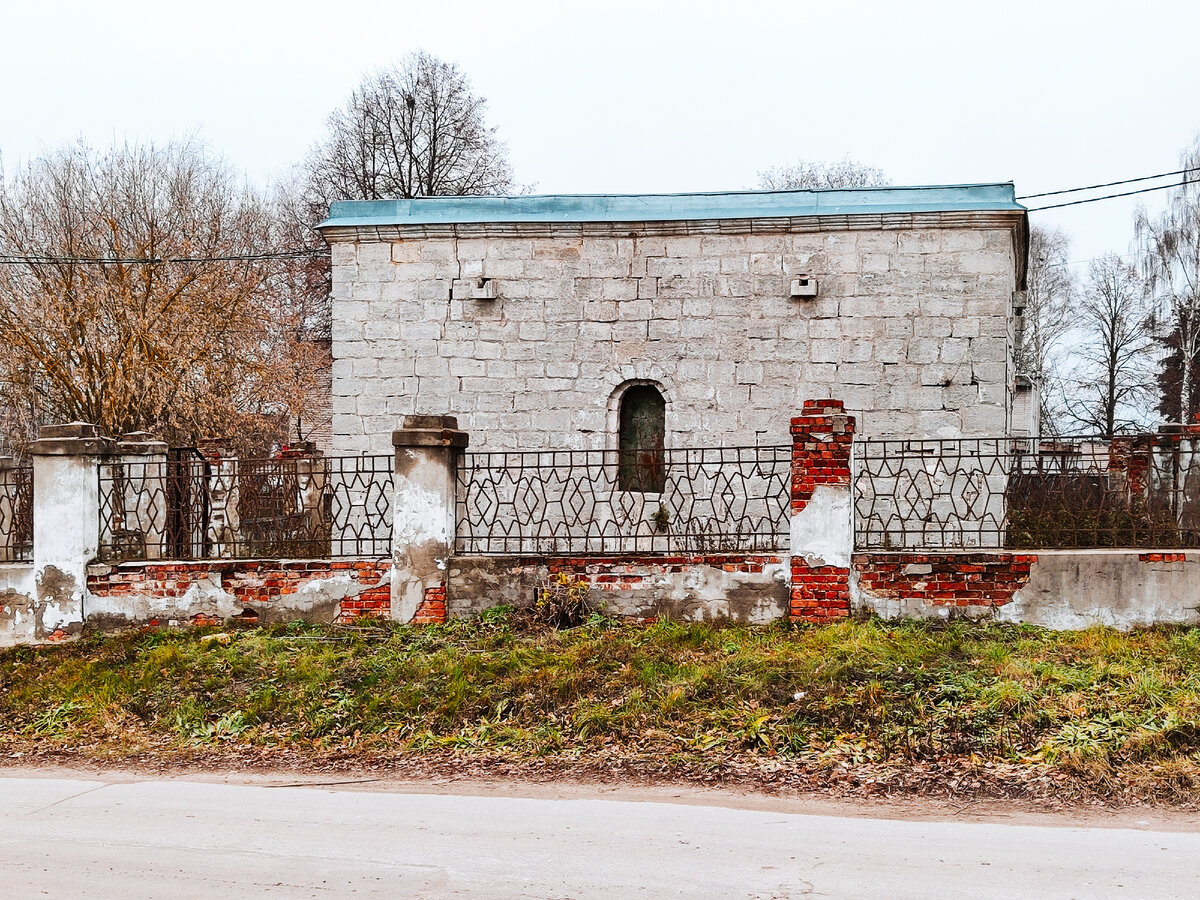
[(416, 129), (1050, 287), (184, 327), (804, 175), (1113, 377), (1171, 260), (413, 130)]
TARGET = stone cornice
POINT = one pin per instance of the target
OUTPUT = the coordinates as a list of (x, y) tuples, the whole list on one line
[(967, 219)]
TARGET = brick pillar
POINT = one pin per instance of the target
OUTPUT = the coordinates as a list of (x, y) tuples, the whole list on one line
[(822, 532), (427, 449)]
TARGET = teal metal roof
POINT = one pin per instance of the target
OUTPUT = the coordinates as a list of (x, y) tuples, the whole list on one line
[(672, 207)]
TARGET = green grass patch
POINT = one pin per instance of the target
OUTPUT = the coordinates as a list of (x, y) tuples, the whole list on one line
[(1108, 708)]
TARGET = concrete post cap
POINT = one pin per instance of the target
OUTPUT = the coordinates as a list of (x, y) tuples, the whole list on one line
[(71, 439), (67, 431), (430, 431), (427, 422)]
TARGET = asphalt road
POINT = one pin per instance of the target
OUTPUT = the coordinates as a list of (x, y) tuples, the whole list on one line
[(78, 838)]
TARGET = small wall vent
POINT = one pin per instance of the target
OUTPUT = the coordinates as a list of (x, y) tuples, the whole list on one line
[(483, 289), (804, 286)]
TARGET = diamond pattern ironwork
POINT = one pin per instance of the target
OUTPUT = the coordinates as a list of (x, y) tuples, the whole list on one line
[(190, 507), (570, 502), (1138, 491)]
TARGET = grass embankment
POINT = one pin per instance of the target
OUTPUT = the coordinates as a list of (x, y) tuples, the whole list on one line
[(865, 706)]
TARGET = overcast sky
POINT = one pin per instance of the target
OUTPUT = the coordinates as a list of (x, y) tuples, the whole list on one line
[(647, 96)]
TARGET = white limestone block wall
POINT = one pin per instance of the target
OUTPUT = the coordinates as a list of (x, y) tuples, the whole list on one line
[(910, 328)]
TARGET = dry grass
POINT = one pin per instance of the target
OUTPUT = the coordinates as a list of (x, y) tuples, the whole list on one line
[(1001, 709)]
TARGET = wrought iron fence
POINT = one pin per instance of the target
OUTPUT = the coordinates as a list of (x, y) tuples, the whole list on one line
[(580, 501), (16, 513), (192, 507), (1138, 492)]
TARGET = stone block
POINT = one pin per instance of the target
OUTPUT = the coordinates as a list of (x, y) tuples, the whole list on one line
[(467, 367), (749, 373), (854, 351), (932, 327), (431, 366), (923, 350)]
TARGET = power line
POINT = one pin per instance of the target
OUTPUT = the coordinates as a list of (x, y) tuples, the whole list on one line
[(1160, 187), (1096, 187), (47, 259)]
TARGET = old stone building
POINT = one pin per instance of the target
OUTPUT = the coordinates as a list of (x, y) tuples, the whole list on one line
[(559, 321)]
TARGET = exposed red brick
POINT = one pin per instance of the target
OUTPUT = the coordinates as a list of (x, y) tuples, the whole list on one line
[(1162, 557), (258, 581), (822, 438), (957, 579)]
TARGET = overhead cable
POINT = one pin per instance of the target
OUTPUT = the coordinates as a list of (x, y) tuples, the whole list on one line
[(49, 259), (1096, 187)]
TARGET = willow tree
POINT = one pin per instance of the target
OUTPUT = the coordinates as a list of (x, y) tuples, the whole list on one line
[(138, 292)]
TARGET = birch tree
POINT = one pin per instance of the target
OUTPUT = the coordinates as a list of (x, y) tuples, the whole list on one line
[(1170, 244)]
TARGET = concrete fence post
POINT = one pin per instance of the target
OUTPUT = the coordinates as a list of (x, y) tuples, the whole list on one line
[(66, 523), (822, 526), (427, 450)]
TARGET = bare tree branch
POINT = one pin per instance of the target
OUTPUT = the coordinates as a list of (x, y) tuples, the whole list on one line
[(803, 175), (1112, 377), (187, 350), (1170, 244)]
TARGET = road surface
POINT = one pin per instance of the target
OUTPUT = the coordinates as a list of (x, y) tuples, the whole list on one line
[(75, 837)]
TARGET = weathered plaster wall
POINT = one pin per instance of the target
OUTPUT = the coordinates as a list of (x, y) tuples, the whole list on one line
[(910, 329), (1070, 589), (212, 591), (65, 524), (1060, 589), (753, 588), (19, 607)]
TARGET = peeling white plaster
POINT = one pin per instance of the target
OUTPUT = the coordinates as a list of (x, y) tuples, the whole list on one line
[(421, 516), (57, 615), (823, 532)]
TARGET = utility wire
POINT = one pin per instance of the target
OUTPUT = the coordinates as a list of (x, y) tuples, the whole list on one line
[(1160, 187), (47, 259), (1096, 187)]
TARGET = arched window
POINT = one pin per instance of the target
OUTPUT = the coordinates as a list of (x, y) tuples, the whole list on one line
[(643, 423)]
